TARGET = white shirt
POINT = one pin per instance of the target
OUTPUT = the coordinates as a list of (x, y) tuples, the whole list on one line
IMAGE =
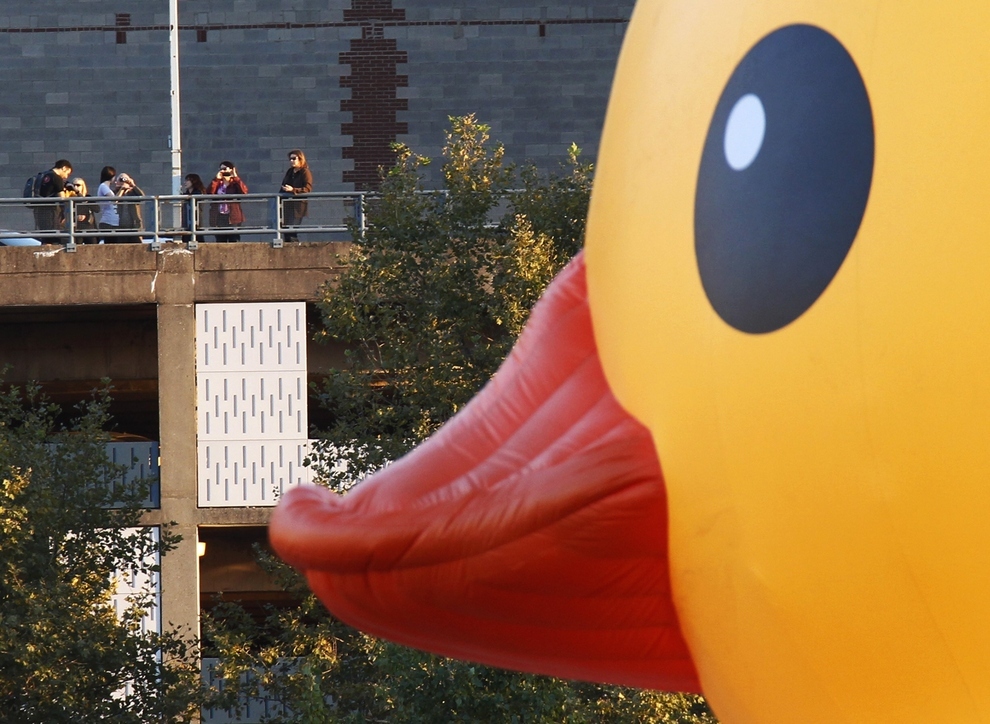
[(108, 209)]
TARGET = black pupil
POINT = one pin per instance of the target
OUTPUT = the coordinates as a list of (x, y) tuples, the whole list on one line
[(776, 215)]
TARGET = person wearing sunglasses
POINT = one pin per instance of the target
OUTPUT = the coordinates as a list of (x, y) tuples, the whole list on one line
[(298, 180), (84, 213)]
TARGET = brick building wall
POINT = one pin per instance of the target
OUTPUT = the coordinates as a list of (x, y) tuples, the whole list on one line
[(374, 82), (88, 80)]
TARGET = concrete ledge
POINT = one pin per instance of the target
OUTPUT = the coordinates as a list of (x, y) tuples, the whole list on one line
[(260, 273), (121, 274), (216, 516)]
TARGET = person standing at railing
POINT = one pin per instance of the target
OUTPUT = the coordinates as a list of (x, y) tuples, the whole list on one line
[(192, 185), (109, 218), (226, 213), (48, 217), (130, 211), (298, 180), (83, 214)]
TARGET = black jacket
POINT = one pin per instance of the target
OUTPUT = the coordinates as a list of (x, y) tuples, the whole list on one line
[(301, 181), (130, 211), (51, 184)]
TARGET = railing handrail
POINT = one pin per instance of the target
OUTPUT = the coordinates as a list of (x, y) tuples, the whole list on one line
[(159, 232), (185, 197)]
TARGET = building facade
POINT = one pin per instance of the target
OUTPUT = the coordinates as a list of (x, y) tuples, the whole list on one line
[(88, 80)]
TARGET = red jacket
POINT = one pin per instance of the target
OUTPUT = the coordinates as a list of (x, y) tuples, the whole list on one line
[(234, 186)]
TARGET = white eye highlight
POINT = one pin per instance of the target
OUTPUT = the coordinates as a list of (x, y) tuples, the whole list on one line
[(744, 132)]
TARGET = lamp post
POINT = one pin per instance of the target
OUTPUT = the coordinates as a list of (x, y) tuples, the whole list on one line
[(175, 138)]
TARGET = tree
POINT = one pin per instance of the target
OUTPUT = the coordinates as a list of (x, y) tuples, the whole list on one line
[(437, 290), (432, 299), (68, 531)]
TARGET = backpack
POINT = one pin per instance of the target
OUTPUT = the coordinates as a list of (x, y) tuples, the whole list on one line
[(32, 187)]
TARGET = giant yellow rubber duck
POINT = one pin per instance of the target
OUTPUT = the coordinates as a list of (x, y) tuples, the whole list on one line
[(783, 305)]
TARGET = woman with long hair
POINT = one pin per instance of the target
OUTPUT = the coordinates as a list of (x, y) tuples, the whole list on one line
[(84, 214), (109, 218), (298, 180), (192, 185), (131, 216)]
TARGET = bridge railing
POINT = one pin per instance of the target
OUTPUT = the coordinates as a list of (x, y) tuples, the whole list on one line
[(330, 216)]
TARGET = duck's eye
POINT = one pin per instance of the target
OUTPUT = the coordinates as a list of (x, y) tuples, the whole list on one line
[(784, 179)]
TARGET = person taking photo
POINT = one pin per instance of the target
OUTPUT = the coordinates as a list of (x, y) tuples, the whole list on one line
[(226, 214)]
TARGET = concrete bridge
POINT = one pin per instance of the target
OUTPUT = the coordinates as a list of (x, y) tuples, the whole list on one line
[(135, 315)]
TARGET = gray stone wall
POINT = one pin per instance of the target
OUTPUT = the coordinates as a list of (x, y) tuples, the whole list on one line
[(88, 80), (538, 73)]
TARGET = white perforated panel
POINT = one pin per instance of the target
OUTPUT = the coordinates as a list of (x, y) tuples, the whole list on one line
[(252, 405), (131, 582), (251, 402), (242, 337), (250, 473)]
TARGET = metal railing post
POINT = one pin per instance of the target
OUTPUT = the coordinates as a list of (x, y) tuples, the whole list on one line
[(70, 245), (193, 242), (156, 243), (277, 241)]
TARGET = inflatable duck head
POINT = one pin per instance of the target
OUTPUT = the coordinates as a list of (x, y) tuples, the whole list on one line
[(782, 307)]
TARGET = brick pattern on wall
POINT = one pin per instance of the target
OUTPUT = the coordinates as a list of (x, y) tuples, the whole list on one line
[(373, 81)]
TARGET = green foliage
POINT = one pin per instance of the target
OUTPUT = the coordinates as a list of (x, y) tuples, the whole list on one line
[(431, 302), (438, 289), (414, 687), (67, 532), (313, 669), (309, 666)]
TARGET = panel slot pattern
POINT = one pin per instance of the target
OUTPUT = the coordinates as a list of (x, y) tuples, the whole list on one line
[(141, 459), (252, 405), (251, 337), (251, 390), (250, 474)]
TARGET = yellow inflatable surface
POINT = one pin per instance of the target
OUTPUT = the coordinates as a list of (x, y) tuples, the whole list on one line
[(789, 275)]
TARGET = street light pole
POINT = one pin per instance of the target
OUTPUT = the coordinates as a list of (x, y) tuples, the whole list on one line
[(175, 139)]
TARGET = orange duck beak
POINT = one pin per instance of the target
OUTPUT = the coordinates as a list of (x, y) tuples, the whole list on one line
[(529, 533)]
